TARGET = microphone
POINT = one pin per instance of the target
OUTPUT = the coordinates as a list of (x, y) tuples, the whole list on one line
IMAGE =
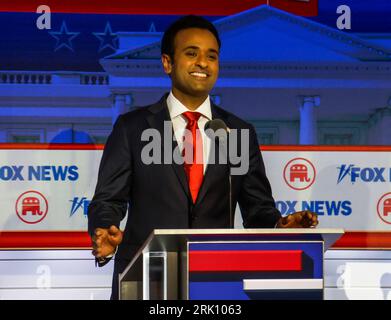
[(217, 128), (215, 125)]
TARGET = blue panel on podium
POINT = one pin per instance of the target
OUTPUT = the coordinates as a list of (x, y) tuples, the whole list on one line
[(234, 291)]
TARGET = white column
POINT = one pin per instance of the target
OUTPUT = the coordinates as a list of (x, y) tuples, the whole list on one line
[(122, 104), (308, 121)]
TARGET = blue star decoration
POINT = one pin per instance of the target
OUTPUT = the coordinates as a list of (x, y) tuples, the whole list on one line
[(64, 37), (107, 39)]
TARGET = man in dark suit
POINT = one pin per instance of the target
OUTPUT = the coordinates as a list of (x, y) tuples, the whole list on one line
[(172, 195)]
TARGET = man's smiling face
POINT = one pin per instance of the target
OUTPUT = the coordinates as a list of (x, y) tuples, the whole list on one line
[(195, 66)]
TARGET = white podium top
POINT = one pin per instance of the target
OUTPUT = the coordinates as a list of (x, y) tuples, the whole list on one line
[(166, 238)]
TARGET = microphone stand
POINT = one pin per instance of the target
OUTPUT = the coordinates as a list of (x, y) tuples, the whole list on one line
[(231, 214), (226, 149), (215, 125)]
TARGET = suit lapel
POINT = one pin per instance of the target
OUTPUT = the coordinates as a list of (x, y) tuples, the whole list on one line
[(160, 114)]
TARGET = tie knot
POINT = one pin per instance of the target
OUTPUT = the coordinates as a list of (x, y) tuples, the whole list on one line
[(191, 116)]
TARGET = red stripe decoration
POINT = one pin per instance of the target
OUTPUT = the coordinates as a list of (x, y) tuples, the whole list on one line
[(51, 146), (85, 146), (325, 148), (364, 240), (160, 7), (150, 7), (308, 8), (245, 260), (45, 240)]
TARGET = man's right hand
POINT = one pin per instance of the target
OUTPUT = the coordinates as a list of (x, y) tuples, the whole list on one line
[(105, 241)]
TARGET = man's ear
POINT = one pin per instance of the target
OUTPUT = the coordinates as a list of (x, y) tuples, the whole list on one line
[(167, 63)]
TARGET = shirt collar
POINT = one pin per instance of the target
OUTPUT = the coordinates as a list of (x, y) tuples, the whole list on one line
[(176, 108)]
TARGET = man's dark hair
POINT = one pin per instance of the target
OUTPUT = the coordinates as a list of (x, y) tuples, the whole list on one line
[(186, 22)]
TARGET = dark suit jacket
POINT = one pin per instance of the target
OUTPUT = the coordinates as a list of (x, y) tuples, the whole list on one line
[(157, 195)]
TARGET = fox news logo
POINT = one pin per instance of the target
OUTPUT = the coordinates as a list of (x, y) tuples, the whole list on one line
[(39, 173), (321, 207), (79, 204), (355, 174)]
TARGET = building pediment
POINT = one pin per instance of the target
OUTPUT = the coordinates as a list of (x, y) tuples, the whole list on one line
[(266, 34)]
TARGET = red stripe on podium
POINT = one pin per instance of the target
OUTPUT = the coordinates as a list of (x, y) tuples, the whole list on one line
[(245, 260)]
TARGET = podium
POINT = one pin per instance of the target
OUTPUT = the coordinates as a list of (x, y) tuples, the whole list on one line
[(228, 264)]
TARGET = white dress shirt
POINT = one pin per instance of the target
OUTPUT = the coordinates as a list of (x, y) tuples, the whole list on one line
[(176, 109)]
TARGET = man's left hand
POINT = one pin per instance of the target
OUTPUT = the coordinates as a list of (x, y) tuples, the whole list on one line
[(301, 219)]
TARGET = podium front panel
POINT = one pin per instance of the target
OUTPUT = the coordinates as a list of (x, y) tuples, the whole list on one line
[(255, 270)]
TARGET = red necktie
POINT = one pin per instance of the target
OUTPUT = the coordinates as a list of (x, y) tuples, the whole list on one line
[(194, 169)]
